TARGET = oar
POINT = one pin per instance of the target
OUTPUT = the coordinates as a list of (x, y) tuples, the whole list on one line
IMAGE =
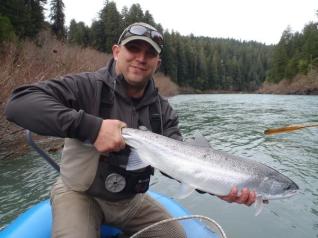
[(287, 129), (41, 152)]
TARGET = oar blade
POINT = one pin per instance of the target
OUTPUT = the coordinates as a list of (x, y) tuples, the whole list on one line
[(286, 129)]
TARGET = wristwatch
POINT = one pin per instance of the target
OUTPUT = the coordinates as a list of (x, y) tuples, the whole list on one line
[(115, 183)]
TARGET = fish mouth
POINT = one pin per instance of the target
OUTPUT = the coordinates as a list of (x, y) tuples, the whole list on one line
[(291, 190), (287, 194), (291, 193)]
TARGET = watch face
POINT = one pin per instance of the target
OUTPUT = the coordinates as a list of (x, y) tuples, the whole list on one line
[(115, 183)]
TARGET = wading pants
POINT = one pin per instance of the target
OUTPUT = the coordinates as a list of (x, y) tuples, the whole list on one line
[(75, 214)]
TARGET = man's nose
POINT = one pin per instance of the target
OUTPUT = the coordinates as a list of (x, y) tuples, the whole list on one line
[(141, 55)]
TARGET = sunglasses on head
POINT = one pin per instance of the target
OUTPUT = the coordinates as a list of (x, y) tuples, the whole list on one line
[(139, 30)]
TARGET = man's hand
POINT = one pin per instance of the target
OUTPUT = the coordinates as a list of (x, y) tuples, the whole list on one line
[(109, 136), (246, 197)]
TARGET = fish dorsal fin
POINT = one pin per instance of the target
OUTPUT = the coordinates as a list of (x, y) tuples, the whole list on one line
[(143, 128), (134, 161), (199, 140)]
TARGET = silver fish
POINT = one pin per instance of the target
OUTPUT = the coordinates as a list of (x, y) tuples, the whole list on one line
[(198, 166)]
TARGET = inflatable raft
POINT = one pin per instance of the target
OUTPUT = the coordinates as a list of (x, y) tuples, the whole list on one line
[(36, 222)]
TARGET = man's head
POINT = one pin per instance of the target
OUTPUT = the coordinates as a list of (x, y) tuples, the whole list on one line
[(142, 31), (137, 54)]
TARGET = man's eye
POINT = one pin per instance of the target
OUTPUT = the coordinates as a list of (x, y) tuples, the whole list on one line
[(152, 53), (132, 48)]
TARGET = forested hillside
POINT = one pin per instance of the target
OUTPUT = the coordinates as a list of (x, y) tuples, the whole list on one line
[(195, 62), (198, 62), (295, 53)]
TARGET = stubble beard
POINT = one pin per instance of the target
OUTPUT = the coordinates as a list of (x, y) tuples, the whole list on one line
[(136, 88)]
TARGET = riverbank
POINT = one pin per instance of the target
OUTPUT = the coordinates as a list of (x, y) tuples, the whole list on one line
[(299, 85)]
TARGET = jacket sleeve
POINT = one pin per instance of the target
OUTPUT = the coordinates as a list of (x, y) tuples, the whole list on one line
[(61, 107), (170, 121)]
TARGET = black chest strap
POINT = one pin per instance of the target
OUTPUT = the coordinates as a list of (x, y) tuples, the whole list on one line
[(155, 113)]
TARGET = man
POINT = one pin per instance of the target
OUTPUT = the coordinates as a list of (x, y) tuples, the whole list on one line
[(89, 110)]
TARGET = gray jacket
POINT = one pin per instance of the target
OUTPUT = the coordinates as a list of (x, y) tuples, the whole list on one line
[(74, 106), (70, 106)]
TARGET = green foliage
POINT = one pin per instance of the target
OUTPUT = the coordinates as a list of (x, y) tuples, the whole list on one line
[(105, 31), (6, 29), (220, 64), (135, 14), (97, 35), (78, 33), (295, 53), (111, 22), (26, 16), (57, 18)]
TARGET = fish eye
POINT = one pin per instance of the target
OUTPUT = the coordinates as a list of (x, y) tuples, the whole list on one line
[(288, 187)]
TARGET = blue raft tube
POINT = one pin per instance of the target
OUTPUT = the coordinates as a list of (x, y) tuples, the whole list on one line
[(36, 222)]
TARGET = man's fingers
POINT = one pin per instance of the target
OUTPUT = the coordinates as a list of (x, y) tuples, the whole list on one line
[(231, 197), (247, 197), (109, 136), (244, 196), (251, 199)]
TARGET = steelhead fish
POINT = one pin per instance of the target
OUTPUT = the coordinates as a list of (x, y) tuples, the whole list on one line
[(198, 166)]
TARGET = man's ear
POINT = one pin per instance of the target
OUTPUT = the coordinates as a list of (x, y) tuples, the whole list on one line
[(158, 66), (115, 49)]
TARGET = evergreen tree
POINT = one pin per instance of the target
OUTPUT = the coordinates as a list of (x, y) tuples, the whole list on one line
[(295, 53), (169, 63), (124, 14), (310, 47), (97, 35), (112, 26), (79, 33), (135, 14), (35, 10), (6, 30), (149, 19), (57, 18), (26, 16), (280, 57)]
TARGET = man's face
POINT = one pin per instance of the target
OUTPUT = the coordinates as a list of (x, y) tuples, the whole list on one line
[(137, 61)]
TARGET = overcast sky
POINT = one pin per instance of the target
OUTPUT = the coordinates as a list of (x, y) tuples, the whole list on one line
[(259, 20)]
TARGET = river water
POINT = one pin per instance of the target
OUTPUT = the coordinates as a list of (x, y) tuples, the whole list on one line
[(233, 123)]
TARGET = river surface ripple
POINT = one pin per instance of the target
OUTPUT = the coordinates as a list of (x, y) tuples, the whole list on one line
[(233, 123)]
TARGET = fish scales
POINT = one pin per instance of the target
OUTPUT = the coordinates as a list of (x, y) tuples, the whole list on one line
[(204, 168)]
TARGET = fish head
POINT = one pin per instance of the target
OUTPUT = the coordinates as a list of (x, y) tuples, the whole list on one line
[(278, 186)]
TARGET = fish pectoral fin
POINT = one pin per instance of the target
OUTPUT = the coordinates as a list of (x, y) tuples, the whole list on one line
[(184, 191), (134, 161), (259, 205)]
